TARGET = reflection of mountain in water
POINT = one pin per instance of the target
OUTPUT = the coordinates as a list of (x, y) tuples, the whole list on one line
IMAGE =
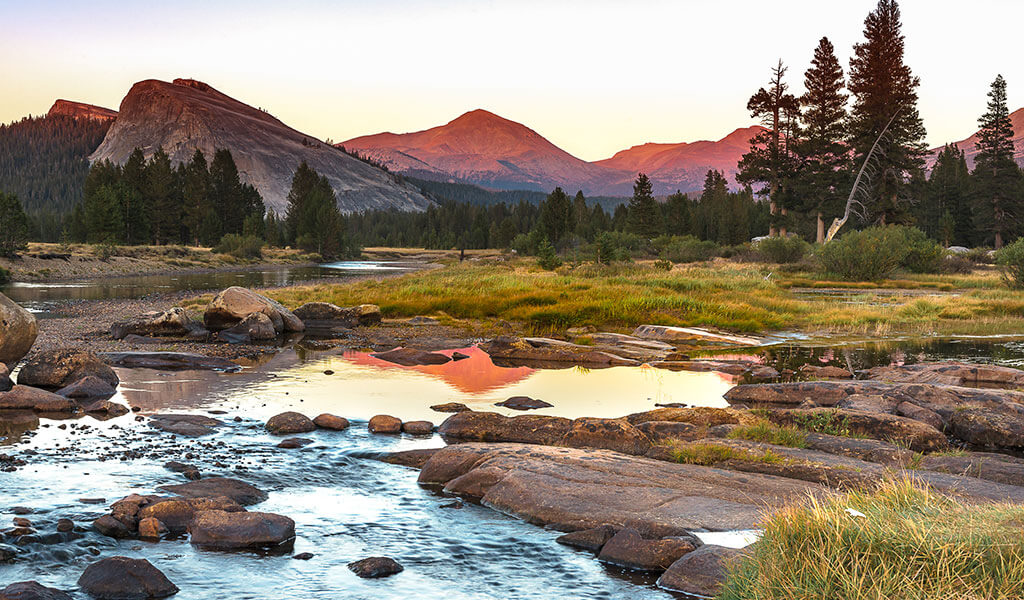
[(474, 375)]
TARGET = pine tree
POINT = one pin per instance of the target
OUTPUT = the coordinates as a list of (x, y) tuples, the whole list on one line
[(644, 216), (678, 220), (15, 230), (162, 198), (135, 209), (313, 217), (997, 176), (885, 89), (303, 182), (227, 195), (822, 152), (556, 217), (945, 213), (200, 220), (770, 160)]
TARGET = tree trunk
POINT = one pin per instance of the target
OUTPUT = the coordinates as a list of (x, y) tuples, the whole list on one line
[(821, 229), (782, 230), (999, 240)]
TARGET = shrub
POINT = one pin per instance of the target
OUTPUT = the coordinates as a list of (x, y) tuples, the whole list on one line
[(664, 265), (616, 246), (1011, 261), (105, 250), (783, 250), (240, 246), (546, 257), (979, 256), (877, 252), (5, 275), (688, 249)]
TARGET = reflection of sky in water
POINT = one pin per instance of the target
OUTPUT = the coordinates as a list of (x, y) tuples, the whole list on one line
[(362, 386)]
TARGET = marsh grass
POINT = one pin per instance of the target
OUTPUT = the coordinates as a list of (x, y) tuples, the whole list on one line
[(712, 454), (912, 544), (768, 433), (738, 297)]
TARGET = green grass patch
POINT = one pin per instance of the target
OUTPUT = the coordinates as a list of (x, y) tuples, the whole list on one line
[(765, 432), (911, 544), (712, 454)]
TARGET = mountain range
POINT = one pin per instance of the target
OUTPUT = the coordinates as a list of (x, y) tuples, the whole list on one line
[(482, 148), (970, 145)]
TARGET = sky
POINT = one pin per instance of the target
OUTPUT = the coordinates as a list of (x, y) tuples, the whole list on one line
[(592, 76)]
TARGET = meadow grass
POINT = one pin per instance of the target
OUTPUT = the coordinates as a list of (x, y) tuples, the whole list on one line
[(730, 297), (765, 432), (708, 455), (911, 544)]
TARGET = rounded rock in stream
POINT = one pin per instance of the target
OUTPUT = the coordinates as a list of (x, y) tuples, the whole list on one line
[(220, 530), (332, 422), (214, 487), (290, 422), (18, 331), (375, 566), (31, 590), (524, 403), (55, 369), (385, 424), (418, 427), (123, 578)]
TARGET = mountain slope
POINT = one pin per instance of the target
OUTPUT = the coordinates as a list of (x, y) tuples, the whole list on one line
[(970, 145), (81, 110), (482, 148), (186, 114)]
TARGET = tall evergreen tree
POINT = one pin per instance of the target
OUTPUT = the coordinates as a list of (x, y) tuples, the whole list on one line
[(556, 218), (303, 182), (997, 176), (644, 216), (885, 89), (135, 209), (821, 149), (227, 194), (163, 199), (770, 160), (313, 216), (946, 212), (200, 219), (15, 230)]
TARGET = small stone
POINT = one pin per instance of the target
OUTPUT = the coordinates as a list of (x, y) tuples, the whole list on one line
[(450, 407), (418, 427), (65, 525), (292, 443), (151, 528), (376, 566), (332, 422), (524, 403), (22, 522), (385, 424), (303, 556), (289, 422)]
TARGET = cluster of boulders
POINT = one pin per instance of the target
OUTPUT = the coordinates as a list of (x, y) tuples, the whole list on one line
[(239, 315)]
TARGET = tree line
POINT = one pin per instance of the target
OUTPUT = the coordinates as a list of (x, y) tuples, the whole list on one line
[(805, 161)]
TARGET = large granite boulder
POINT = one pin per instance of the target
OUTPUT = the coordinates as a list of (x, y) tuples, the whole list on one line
[(701, 572), (629, 549), (254, 327), (493, 427), (55, 369), (31, 590), (18, 331), (915, 435), (988, 427), (173, 322), (288, 423), (30, 398), (123, 578), (231, 306), (221, 530), (317, 315), (186, 425)]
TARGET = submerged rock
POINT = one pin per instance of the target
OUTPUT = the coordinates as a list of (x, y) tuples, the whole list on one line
[(410, 357), (212, 487), (55, 369), (701, 572), (186, 425), (629, 549), (408, 458), (289, 422), (524, 403), (31, 590), (589, 539), (231, 306), (375, 566), (123, 578), (169, 361), (222, 530), (18, 331)]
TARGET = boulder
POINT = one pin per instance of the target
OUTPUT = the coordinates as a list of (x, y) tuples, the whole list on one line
[(185, 425), (588, 539), (173, 322), (256, 326), (493, 427), (221, 530), (418, 427), (629, 549), (915, 435), (106, 407), (34, 399), (408, 458), (170, 361), (5, 378), (699, 415), (177, 514), (701, 572), (231, 306), (288, 423), (316, 315), (410, 357), (152, 529), (213, 487), (988, 427), (89, 386), (110, 526), (31, 590), (18, 331), (540, 352), (450, 407), (327, 421), (375, 566), (612, 434), (385, 424), (523, 403), (122, 578), (55, 369)]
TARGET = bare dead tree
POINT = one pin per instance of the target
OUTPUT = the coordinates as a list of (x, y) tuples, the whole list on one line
[(862, 184)]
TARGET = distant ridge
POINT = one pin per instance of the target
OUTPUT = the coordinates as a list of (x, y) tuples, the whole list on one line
[(970, 145), (186, 115), (81, 110)]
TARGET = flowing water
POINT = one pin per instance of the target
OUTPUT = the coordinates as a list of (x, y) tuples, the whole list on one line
[(347, 506)]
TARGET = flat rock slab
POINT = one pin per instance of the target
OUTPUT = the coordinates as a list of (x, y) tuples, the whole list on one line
[(220, 530), (169, 361), (574, 489), (410, 357), (29, 398), (524, 403), (212, 487), (186, 425), (948, 373)]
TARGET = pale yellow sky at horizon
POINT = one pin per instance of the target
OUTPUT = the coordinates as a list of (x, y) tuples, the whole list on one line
[(593, 77)]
